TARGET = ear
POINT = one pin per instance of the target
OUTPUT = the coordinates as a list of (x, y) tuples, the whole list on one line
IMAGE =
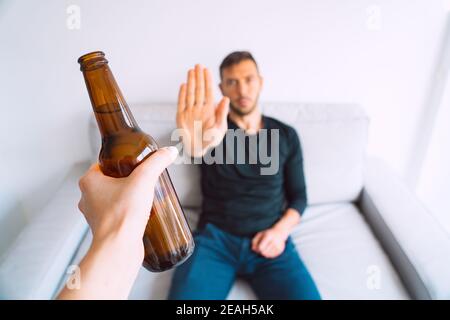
[(221, 89), (261, 79)]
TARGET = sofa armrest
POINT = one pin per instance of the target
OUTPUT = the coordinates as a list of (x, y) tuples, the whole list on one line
[(33, 266), (417, 245)]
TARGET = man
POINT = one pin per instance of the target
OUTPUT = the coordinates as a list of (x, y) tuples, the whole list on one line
[(246, 216)]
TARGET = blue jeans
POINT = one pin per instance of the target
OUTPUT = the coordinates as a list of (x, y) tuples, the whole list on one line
[(219, 257)]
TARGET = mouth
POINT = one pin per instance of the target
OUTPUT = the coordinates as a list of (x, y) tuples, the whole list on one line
[(244, 102)]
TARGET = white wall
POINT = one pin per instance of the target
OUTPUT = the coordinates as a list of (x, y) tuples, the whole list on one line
[(434, 181), (312, 51)]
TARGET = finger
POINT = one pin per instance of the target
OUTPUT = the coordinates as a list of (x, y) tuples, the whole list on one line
[(269, 251), (200, 86), (264, 243), (182, 98), (151, 168), (272, 251), (222, 112), (256, 240), (209, 91), (276, 252), (190, 98), (92, 176)]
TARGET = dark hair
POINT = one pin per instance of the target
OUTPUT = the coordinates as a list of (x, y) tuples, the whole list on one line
[(235, 58)]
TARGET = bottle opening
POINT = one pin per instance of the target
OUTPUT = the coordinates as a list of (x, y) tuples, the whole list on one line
[(92, 60)]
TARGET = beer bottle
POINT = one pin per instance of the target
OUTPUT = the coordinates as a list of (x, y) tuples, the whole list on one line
[(167, 239)]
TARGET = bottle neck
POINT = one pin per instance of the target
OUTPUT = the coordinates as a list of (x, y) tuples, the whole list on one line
[(110, 108)]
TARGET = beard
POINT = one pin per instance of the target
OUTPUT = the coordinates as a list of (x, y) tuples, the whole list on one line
[(241, 112)]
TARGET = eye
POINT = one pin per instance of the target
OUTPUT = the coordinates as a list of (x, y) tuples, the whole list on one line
[(250, 79), (231, 82)]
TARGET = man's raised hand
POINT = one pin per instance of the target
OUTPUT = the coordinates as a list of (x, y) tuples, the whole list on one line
[(203, 123)]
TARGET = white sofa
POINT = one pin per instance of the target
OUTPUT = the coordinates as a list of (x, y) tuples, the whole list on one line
[(364, 235)]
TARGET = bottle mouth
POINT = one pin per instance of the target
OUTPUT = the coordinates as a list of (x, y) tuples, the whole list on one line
[(92, 60)]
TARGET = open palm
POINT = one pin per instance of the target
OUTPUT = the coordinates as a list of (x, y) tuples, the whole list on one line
[(203, 124)]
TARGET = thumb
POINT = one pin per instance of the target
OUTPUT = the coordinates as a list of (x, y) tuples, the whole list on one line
[(150, 169), (222, 112)]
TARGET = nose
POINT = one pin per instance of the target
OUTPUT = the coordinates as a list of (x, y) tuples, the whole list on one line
[(242, 89)]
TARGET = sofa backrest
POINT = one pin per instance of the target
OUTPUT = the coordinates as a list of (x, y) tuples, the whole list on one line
[(333, 138)]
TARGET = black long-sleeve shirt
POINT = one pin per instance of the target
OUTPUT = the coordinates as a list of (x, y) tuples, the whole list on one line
[(237, 196)]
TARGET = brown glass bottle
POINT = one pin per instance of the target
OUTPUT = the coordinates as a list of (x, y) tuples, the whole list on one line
[(167, 239)]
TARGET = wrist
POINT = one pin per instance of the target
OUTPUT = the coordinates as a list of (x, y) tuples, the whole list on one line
[(283, 230), (108, 269), (121, 248), (287, 222), (121, 241)]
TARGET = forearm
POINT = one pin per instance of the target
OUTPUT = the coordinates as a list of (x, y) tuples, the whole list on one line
[(288, 221), (108, 270)]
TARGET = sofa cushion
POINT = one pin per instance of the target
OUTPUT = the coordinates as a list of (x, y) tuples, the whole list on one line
[(333, 138), (344, 257)]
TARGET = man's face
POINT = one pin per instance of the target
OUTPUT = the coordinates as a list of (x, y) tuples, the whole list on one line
[(242, 84)]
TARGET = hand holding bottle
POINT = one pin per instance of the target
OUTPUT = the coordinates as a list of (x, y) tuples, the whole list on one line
[(122, 206), (117, 210)]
